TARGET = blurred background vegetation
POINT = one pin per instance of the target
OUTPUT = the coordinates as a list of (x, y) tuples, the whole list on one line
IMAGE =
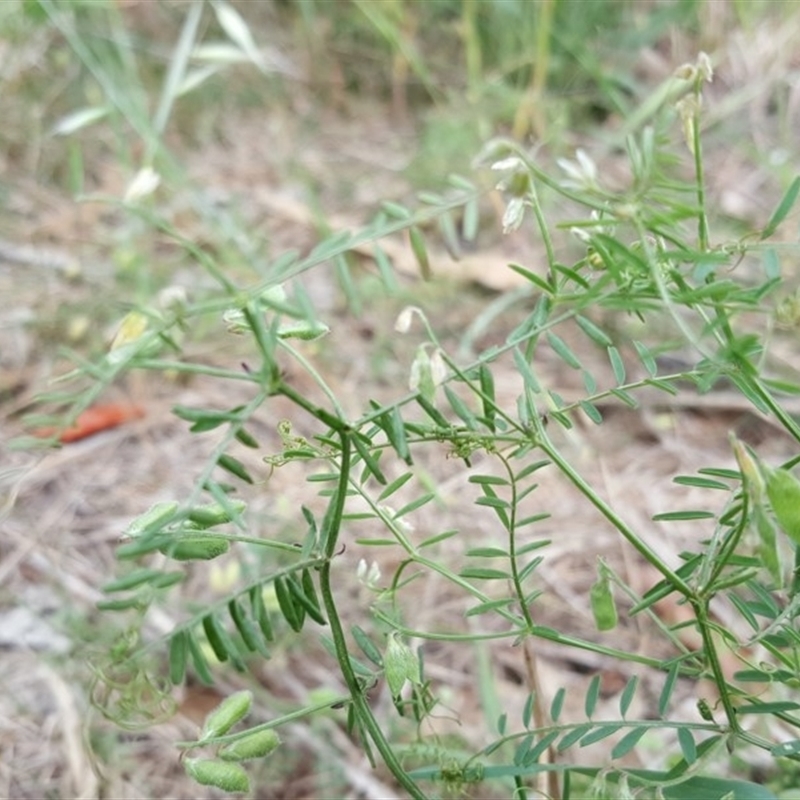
[(290, 115)]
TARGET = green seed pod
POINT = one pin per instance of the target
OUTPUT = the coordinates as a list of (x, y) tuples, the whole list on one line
[(152, 520), (228, 777), (601, 598), (400, 664), (308, 330), (207, 516), (783, 490), (226, 715), (254, 745), (196, 548), (767, 545)]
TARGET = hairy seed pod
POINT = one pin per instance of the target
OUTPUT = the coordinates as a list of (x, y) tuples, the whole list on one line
[(254, 745), (228, 777), (212, 514), (226, 715), (152, 520), (196, 548)]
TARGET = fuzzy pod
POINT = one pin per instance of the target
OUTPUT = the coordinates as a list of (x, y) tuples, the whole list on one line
[(400, 664), (155, 518), (226, 715), (601, 599), (196, 548), (254, 745), (222, 775), (783, 490), (206, 516)]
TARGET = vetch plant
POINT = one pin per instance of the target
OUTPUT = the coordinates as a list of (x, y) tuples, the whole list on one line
[(649, 254)]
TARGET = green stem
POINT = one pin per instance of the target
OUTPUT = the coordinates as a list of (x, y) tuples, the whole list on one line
[(702, 217), (700, 608), (360, 704), (650, 555)]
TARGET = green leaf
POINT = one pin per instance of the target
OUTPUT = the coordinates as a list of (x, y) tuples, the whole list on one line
[(417, 241), (219, 640), (646, 357), (431, 410), (702, 788), (396, 484), (533, 278), (132, 580), (627, 695), (370, 462), (436, 538), (598, 734), (491, 605), (247, 630), (558, 704), (487, 395), (669, 687), (775, 707), (246, 439), (525, 372), (460, 408), (592, 696), (484, 574), (699, 482), (783, 209), (368, 648), (591, 411), (617, 364), (593, 332), (199, 661), (235, 467), (573, 736), (293, 612), (178, 655), (788, 748), (540, 747), (628, 742), (682, 516), (687, 745), (562, 349), (489, 480), (486, 552), (527, 710), (260, 613), (305, 594), (414, 505), (396, 431)]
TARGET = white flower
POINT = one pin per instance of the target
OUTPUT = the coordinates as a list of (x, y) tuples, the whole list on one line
[(582, 172), (144, 183)]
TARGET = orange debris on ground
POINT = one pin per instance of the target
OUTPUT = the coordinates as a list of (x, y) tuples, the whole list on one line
[(94, 420)]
